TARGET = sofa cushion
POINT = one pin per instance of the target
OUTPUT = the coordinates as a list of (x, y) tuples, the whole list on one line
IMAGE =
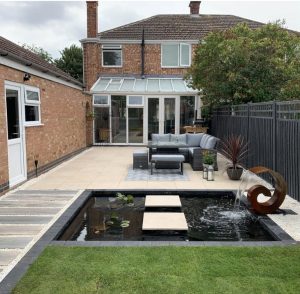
[(211, 143), (193, 140), (204, 139), (156, 138), (180, 139)]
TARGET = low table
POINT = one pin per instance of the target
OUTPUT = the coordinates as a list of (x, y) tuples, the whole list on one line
[(167, 158)]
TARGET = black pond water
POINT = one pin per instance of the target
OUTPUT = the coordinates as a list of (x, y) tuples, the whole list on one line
[(208, 218)]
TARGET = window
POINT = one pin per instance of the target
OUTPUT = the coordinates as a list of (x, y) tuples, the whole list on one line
[(175, 55), (32, 106), (135, 101), (112, 55), (100, 100)]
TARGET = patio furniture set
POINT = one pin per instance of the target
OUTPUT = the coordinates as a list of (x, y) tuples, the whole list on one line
[(169, 151)]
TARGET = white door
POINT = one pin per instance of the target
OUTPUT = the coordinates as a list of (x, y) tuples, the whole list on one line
[(15, 134)]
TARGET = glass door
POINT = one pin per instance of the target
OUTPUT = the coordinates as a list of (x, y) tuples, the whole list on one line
[(118, 119), (153, 117), (169, 116), (135, 125)]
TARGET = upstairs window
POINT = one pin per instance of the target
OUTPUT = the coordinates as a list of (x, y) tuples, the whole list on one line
[(175, 55), (112, 55), (32, 106)]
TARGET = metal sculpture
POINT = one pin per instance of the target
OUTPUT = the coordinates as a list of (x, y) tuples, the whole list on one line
[(275, 201)]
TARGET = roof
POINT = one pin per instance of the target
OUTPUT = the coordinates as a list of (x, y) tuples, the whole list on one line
[(176, 27), (13, 51), (111, 85)]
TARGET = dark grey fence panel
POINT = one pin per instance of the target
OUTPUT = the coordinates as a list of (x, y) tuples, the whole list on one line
[(273, 132)]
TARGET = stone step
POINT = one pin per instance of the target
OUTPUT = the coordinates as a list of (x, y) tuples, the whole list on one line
[(28, 211), (26, 219), (164, 221), (162, 201), (14, 242), (7, 230)]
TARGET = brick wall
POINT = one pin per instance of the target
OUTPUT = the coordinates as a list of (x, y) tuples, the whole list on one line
[(131, 62), (63, 114)]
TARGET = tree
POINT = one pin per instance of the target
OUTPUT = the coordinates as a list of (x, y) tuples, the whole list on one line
[(242, 65), (39, 51), (71, 61)]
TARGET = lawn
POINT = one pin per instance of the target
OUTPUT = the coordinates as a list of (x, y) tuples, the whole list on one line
[(164, 270)]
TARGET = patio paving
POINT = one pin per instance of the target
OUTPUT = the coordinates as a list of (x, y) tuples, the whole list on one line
[(27, 212)]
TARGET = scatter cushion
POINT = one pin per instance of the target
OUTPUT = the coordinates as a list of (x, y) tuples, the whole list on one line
[(193, 140), (180, 139), (203, 141), (211, 143)]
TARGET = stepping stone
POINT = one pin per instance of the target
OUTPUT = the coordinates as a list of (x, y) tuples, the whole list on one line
[(162, 201), (164, 221)]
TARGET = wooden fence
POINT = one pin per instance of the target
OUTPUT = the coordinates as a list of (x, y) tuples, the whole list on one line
[(273, 132)]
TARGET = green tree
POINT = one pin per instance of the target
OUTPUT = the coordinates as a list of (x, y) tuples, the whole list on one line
[(242, 65), (71, 61), (39, 51)]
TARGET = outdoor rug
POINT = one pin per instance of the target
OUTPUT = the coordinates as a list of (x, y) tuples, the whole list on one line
[(158, 175)]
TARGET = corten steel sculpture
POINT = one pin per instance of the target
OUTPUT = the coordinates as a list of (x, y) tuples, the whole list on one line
[(271, 205)]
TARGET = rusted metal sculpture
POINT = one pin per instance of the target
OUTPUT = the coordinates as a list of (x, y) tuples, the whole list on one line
[(275, 201)]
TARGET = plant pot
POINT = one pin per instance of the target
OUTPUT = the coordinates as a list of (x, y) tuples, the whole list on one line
[(234, 173)]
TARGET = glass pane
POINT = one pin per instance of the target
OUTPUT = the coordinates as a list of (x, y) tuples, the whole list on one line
[(102, 84), (112, 57), (185, 55), (153, 117), (118, 119), (113, 87), (179, 85), (98, 99), (187, 112), (153, 85), (32, 96), (135, 100), (170, 55), (169, 126), (12, 106), (165, 85), (127, 85), (140, 86), (101, 122), (135, 125), (31, 113)]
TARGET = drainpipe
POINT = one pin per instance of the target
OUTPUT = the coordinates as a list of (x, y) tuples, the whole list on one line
[(143, 54)]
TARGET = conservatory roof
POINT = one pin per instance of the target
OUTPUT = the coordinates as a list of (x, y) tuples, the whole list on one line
[(142, 86)]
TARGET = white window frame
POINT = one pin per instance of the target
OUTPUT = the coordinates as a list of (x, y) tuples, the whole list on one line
[(112, 47), (100, 105), (32, 103), (180, 65), (135, 105)]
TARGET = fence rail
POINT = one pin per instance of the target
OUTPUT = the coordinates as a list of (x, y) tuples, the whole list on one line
[(273, 132)]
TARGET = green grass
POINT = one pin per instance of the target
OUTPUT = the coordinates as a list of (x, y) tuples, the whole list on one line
[(164, 270)]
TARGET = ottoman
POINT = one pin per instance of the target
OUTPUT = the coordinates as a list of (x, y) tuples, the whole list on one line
[(140, 159)]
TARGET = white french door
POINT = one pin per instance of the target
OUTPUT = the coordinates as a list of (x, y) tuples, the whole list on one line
[(15, 135)]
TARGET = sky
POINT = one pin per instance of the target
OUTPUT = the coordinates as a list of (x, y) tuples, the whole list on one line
[(55, 25)]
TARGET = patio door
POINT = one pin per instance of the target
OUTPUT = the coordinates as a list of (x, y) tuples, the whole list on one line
[(15, 136), (162, 115)]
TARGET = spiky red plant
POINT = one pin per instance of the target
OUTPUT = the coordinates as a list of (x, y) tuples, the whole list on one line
[(235, 148)]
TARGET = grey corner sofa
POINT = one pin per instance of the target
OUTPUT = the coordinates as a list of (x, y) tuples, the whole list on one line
[(192, 146)]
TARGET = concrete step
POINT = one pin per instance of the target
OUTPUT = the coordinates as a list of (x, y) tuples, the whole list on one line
[(162, 201)]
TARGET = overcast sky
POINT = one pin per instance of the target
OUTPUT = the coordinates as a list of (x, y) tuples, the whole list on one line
[(56, 25)]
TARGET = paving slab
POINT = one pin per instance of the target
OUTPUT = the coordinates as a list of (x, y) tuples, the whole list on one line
[(38, 197), (162, 201), (162, 221), (7, 256), (26, 219), (46, 192), (28, 211), (31, 203), (14, 242), (20, 229)]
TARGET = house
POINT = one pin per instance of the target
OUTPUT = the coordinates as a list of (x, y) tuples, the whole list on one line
[(135, 73), (42, 115)]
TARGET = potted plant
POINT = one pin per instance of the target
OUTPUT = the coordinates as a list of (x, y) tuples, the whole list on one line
[(208, 159), (235, 148)]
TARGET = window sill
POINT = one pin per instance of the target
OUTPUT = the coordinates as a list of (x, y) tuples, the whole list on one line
[(179, 67), (113, 66), (26, 125)]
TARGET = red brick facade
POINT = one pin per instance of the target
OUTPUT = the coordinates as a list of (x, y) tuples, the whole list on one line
[(63, 116)]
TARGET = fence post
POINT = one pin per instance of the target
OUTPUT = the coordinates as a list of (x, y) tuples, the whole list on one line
[(274, 135)]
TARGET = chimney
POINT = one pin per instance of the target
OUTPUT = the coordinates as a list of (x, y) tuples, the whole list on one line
[(92, 18), (194, 7)]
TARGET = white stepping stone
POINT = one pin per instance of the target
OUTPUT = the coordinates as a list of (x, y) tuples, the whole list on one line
[(162, 201), (162, 221)]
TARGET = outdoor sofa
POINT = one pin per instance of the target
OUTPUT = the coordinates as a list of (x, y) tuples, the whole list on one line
[(192, 146)]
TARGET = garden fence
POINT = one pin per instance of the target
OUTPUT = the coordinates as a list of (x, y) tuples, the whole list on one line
[(273, 132)]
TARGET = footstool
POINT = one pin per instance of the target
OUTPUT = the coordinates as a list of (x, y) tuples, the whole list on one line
[(140, 159)]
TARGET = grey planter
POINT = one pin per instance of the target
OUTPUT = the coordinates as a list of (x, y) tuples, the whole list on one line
[(234, 173)]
